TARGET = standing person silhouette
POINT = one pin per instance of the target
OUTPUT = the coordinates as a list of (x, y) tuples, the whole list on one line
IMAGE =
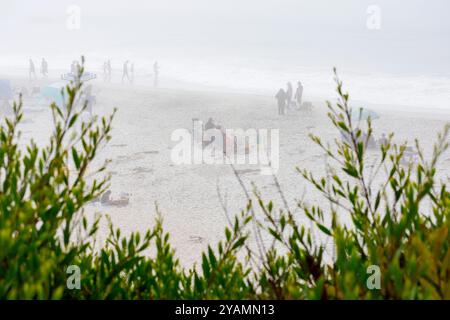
[(125, 71), (32, 70), (299, 94), (281, 97), (44, 68), (289, 95), (156, 74), (132, 72), (109, 70)]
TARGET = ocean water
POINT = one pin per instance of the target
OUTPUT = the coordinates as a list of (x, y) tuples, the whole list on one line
[(265, 76)]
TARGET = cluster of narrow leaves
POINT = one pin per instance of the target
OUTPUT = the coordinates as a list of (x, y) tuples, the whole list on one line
[(391, 216), (398, 222)]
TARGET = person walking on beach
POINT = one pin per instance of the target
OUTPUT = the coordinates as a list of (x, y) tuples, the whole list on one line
[(132, 72), (281, 97), (44, 68), (299, 94), (289, 94), (155, 74), (32, 70), (109, 70), (125, 71)]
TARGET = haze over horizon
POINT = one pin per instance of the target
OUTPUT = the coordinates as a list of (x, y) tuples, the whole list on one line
[(413, 37), (251, 45)]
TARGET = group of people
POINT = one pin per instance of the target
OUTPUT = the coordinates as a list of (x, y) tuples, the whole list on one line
[(32, 69), (287, 99), (128, 72)]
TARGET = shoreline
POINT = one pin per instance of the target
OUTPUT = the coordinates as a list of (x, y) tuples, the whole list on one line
[(144, 82)]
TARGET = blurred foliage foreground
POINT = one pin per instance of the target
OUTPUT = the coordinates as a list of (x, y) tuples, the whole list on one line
[(390, 238)]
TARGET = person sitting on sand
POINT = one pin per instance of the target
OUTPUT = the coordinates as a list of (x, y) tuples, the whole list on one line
[(106, 200), (210, 124), (281, 99)]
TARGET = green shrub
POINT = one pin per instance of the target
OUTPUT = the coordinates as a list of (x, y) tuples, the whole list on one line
[(43, 229)]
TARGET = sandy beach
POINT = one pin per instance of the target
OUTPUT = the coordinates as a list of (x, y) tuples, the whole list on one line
[(187, 195)]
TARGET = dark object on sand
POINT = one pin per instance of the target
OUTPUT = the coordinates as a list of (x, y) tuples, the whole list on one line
[(106, 200)]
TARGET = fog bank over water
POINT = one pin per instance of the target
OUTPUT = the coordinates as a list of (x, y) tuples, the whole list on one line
[(251, 45)]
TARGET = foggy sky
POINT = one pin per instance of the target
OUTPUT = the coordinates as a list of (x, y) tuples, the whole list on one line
[(414, 34)]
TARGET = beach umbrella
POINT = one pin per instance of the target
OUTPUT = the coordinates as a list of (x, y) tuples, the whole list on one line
[(6, 91), (364, 114), (53, 92)]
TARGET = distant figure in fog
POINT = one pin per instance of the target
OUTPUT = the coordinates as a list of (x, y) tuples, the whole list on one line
[(109, 70), (132, 73), (281, 97), (31, 70), (125, 71), (44, 68), (299, 94), (156, 74), (289, 94)]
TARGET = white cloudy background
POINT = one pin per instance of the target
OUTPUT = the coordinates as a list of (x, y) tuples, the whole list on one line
[(250, 45)]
